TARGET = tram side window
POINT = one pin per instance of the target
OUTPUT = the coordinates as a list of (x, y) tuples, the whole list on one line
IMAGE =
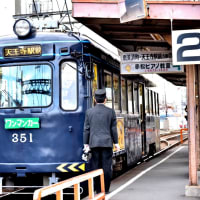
[(153, 102), (108, 87), (146, 101), (116, 92), (157, 100), (69, 85), (150, 103), (25, 86), (130, 96), (123, 92), (135, 100)]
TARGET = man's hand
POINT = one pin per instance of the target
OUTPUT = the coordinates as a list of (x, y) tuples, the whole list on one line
[(117, 147), (86, 148)]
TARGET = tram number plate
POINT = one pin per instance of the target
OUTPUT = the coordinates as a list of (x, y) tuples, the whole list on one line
[(22, 137)]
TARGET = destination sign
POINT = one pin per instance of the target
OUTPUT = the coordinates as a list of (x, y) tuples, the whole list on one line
[(20, 51), (154, 67), (148, 62), (16, 123)]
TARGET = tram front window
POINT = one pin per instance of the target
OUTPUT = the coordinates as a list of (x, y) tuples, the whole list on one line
[(25, 86), (69, 85)]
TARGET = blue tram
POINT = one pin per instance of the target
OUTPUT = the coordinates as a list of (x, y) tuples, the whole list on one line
[(47, 81)]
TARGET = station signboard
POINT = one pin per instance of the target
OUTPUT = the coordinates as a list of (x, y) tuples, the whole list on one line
[(135, 9), (148, 62), (186, 47)]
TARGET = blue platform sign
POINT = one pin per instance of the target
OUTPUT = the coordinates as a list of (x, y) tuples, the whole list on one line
[(135, 9)]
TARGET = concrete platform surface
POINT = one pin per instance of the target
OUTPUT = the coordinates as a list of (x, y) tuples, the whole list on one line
[(162, 178)]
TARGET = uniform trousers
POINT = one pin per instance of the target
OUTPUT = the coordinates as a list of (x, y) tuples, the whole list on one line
[(102, 159)]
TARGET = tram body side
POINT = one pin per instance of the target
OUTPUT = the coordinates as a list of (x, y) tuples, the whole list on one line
[(56, 145)]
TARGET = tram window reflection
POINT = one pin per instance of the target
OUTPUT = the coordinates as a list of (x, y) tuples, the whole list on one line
[(69, 86), (153, 103), (135, 99), (130, 97), (25, 86), (146, 101), (108, 87), (124, 102), (116, 92)]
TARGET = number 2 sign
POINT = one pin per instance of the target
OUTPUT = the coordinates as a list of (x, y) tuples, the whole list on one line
[(186, 47)]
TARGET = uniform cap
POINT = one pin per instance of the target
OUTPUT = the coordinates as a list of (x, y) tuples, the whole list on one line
[(100, 94)]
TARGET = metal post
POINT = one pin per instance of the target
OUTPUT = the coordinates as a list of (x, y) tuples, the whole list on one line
[(190, 72)]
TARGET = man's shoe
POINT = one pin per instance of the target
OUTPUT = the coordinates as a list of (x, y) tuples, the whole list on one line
[(107, 192)]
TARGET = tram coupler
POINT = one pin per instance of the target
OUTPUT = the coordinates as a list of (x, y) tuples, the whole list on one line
[(53, 179)]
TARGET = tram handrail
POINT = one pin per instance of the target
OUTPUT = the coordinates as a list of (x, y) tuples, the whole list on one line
[(75, 181), (181, 134)]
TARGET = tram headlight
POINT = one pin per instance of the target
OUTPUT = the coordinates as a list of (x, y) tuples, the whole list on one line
[(23, 28)]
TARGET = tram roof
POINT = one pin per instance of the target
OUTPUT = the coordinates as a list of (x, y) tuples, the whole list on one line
[(40, 36), (150, 33)]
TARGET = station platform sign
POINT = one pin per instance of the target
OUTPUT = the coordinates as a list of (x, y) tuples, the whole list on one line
[(148, 62)]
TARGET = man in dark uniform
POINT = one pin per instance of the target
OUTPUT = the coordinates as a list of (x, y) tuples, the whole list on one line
[(100, 132)]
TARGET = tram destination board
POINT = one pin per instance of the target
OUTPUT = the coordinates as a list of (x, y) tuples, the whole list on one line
[(22, 51), (18, 123)]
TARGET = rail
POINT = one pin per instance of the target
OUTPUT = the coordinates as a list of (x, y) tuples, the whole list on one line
[(58, 188)]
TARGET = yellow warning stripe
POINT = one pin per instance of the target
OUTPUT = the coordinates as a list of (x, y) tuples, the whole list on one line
[(74, 167)]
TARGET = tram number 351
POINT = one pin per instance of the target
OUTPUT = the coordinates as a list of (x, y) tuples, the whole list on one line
[(22, 137), (182, 49)]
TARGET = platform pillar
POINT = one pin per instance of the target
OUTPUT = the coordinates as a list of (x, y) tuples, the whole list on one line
[(192, 117), (191, 74)]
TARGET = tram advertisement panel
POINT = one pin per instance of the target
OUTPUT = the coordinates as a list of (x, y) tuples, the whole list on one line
[(120, 130)]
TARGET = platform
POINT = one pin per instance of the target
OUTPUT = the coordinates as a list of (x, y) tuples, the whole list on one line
[(162, 178)]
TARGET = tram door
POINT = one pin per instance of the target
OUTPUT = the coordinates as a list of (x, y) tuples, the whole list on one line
[(142, 117)]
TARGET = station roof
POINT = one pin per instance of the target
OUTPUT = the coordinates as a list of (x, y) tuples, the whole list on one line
[(150, 33)]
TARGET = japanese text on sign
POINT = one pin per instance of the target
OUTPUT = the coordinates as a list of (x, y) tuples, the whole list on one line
[(146, 56), (19, 51), (148, 62), (16, 123), (139, 68)]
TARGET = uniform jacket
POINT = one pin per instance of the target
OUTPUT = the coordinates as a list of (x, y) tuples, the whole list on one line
[(100, 127)]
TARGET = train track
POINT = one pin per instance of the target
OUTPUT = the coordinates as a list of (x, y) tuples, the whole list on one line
[(171, 139)]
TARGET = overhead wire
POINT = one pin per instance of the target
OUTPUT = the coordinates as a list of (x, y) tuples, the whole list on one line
[(68, 15), (35, 9), (58, 8)]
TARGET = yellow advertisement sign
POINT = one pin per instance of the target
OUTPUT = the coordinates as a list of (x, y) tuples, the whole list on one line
[(120, 131)]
